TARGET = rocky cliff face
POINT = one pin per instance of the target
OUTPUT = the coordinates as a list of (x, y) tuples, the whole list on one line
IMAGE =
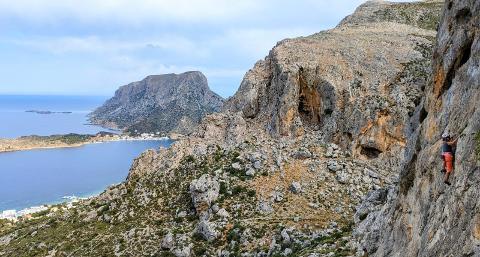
[(357, 84), (160, 103), (312, 141), (422, 216)]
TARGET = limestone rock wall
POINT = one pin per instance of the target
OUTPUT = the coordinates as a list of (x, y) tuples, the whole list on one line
[(422, 216), (359, 84)]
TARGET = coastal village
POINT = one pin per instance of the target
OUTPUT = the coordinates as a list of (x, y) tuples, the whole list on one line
[(71, 140)]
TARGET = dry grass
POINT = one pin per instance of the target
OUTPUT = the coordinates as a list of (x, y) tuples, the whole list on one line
[(295, 205)]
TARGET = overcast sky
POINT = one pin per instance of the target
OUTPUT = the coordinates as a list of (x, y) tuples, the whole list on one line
[(94, 46)]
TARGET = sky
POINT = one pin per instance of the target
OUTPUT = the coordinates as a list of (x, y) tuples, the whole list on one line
[(92, 47)]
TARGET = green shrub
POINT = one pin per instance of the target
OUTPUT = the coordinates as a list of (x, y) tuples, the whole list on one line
[(199, 250), (74, 138), (223, 188), (238, 190), (197, 237), (363, 216), (189, 159)]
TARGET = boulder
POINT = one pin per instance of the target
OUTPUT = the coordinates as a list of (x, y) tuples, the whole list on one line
[(264, 207), (204, 191), (167, 241), (237, 166), (286, 240), (302, 154), (295, 187), (223, 213), (207, 230), (342, 177), (333, 166)]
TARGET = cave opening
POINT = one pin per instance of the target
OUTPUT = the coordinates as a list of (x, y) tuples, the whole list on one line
[(309, 104), (316, 99), (370, 152), (309, 108), (463, 15), (423, 115), (465, 54)]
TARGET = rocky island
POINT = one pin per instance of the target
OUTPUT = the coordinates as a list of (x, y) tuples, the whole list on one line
[(47, 112), (330, 147), (159, 103)]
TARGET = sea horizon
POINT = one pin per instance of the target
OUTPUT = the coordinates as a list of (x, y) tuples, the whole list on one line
[(16, 121)]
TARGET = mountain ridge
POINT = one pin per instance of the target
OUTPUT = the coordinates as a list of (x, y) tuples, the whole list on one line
[(311, 157), (159, 103)]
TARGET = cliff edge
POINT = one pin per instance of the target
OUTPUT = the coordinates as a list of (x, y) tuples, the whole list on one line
[(422, 216)]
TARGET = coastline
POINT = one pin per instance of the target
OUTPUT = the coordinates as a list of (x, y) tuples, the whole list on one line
[(68, 202), (45, 142), (34, 143)]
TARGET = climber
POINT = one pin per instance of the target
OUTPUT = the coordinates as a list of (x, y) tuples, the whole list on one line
[(448, 155)]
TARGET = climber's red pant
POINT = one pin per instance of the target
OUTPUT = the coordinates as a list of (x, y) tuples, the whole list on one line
[(448, 161)]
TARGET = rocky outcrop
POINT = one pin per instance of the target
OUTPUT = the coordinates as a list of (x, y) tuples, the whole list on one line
[(160, 103), (204, 192), (312, 141), (422, 216), (358, 84)]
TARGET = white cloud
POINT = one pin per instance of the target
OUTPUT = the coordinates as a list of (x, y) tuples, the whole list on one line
[(141, 68), (139, 12), (254, 43), (126, 11), (107, 43), (63, 45), (105, 46)]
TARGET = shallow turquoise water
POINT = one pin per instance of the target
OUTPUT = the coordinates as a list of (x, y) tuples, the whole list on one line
[(35, 177)]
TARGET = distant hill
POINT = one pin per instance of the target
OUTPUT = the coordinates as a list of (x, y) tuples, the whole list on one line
[(159, 103)]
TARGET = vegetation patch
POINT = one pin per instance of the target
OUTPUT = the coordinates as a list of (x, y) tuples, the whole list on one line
[(70, 139), (425, 15)]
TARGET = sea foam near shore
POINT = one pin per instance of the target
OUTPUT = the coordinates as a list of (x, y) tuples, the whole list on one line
[(13, 215)]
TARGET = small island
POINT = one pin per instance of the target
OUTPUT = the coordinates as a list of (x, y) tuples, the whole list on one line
[(47, 112)]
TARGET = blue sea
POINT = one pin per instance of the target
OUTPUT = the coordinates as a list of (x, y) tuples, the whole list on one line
[(46, 176), (16, 122)]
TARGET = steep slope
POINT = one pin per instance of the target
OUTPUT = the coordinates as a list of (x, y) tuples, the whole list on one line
[(160, 103), (358, 84), (422, 216), (262, 178)]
